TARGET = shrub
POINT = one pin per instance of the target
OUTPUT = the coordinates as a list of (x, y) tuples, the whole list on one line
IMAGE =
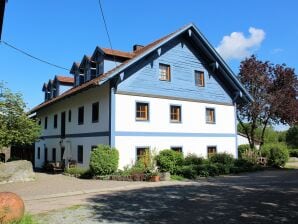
[(193, 159), (77, 171), (242, 149), (276, 153), (208, 169), (293, 152), (223, 168), (169, 160), (222, 158), (189, 171), (104, 160)]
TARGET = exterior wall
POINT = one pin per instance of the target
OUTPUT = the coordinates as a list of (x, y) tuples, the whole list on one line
[(244, 141), (87, 134), (193, 134), (144, 78), (109, 65)]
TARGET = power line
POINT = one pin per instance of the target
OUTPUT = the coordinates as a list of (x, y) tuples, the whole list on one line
[(106, 28), (31, 56)]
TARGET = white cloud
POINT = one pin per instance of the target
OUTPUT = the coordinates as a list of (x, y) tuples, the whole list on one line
[(237, 46), (277, 50)]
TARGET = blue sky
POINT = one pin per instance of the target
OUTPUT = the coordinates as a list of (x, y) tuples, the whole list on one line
[(63, 31)]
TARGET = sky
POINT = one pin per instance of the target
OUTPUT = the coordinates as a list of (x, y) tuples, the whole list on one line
[(62, 31)]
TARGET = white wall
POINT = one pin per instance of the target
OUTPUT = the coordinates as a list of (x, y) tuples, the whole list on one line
[(98, 94), (193, 134)]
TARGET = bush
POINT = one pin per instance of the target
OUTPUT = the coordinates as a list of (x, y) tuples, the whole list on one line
[(293, 152), (242, 149), (193, 159), (222, 158), (223, 168), (189, 172), (276, 153), (169, 160), (208, 169), (104, 160), (76, 171)]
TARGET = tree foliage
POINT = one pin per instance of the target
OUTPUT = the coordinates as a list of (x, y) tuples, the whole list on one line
[(292, 137), (15, 126), (275, 92)]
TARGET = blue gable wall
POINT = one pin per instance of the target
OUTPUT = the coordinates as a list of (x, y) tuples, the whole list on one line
[(144, 77)]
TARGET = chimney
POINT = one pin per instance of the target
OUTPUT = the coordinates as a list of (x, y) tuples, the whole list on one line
[(137, 47)]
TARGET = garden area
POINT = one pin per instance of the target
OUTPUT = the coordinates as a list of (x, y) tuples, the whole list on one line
[(169, 164)]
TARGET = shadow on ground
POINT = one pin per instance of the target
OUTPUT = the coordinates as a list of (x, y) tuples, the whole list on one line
[(267, 199)]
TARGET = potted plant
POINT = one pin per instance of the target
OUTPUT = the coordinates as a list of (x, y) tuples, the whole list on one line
[(154, 176)]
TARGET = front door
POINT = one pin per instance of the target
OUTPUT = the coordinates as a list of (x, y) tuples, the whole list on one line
[(63, 124)]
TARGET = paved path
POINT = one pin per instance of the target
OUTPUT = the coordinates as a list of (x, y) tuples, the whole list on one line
[(260, 197)]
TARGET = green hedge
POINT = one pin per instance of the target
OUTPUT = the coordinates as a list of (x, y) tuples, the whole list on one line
[(193, 159), (169, 161), (293, 152), (104, 160), (276, 153)]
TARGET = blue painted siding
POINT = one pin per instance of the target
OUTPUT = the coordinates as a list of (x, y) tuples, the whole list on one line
[(108, 65), (144, 78)]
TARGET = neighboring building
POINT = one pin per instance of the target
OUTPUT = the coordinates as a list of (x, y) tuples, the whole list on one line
[(243, 140), (176, 92)]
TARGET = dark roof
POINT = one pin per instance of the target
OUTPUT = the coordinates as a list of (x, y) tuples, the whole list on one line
[(140, 53)]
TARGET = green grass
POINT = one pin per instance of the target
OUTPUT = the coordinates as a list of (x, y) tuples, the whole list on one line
[(176, 177), (27, 219)]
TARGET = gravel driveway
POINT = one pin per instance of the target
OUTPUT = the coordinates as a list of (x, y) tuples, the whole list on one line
[(260, 197)]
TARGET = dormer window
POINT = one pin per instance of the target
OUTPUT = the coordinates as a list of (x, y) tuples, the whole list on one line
[(99, 68)]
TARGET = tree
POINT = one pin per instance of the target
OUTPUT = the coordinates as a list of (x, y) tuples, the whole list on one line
[(275, 92), (15, 126), (292, 137)]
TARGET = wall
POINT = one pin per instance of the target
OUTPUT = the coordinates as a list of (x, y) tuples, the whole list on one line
[(144, 77), (193, 133), (86, 134)]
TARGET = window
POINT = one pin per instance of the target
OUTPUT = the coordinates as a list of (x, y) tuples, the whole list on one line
[(210, 115), (45, 154), (62, 153), (199, 78), (69, 116), (142, 111), (45, 122), (93, 147), (95, 112), (175, 113), (54, 155), (141, 151), (211, 150), (55, 120), (81, 115), (164, 72), (80, 154), (39, 122), (38, 153), (176, 148)]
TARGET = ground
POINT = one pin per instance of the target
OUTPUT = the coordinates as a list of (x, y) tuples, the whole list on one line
[(262, 197)]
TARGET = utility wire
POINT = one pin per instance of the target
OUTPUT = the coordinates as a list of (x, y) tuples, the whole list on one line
[(31, 56), (106, 28)]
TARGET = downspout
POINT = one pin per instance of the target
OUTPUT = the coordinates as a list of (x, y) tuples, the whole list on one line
[(238, 94), (112, 117)]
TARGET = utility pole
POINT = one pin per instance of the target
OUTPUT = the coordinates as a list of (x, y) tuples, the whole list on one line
[(2, 9)]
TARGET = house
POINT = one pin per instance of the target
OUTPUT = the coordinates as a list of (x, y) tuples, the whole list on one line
[(174, 93), (243, 140)]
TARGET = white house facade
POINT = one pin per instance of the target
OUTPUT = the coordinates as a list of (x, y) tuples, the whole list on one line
[(175, 93)]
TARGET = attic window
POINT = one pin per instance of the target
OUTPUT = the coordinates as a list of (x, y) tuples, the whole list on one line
[(164, 72), (199, 78)]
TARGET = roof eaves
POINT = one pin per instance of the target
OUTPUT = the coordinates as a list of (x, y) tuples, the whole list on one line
[(224, 64)]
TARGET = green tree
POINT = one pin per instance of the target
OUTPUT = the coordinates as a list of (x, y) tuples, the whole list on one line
[(16, 128), (292, 137), (275, 92)]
